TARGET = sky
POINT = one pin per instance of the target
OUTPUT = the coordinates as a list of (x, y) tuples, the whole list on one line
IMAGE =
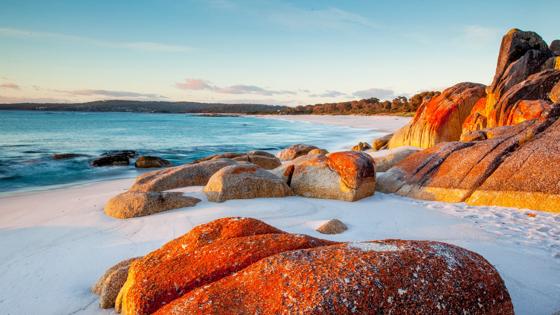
[(271, 52)]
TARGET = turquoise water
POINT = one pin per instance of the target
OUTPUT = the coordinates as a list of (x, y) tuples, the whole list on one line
[(28, 140)]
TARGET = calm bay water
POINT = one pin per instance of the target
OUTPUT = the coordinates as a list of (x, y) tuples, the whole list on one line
[(29, 139)]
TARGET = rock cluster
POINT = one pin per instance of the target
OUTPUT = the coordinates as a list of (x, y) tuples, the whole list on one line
[(244, 266), (362, 146)]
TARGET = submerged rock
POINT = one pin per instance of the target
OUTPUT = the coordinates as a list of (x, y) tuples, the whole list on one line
[(224, 267), (333, 226), (111, 160), (245, 181), (67, 156), (137, 204), (147, 161), (128, 153), (295, 151)]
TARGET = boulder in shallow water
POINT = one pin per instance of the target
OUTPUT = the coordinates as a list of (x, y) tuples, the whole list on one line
[(224, 267), (136, 204), (147, 161), (245, 181), (111, 160), (180, 176), (67, 156), (332, 226), (295, 151), (128, 153)]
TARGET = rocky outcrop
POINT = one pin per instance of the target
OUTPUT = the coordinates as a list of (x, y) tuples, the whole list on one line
[(381, 142), (348, 175), (109, 285), (506, 166), (136, 204), (198, 259), (179, 176), (295, 151), (245, 181), (333, 226), (554, 94), (361, 146), (441, 118), (555, 47), (147, 161), (522, 73), (225, 266), (261, 158), (391, 157)]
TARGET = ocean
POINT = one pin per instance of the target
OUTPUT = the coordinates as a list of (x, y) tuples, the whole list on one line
[(28, 140)]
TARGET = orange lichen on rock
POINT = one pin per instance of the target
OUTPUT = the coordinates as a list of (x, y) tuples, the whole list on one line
[(200, 258), (353, 167), (379, 277), (528, 109)]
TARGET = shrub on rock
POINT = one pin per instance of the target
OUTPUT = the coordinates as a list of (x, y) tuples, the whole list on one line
[(136, 204), (245, 181)]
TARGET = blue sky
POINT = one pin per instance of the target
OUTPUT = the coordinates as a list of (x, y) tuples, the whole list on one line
[(280, 52)]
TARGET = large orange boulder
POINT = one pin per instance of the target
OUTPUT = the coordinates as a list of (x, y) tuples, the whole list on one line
[(347, 175), (379, 277), (177, 268), (441, 118), (522, 73)]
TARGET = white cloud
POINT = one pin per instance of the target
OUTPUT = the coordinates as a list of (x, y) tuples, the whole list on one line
[(329, 93), (330, 18), (116, 94), (142, 46), (199, 84), (382, 94)]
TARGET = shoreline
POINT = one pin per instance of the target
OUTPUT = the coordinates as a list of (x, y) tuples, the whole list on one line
[(59, 241)]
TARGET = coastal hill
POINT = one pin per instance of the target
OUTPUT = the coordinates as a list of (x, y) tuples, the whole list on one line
[(371, 106), (147, 107)]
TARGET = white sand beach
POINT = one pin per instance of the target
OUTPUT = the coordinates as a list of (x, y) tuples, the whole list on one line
[(56, 243)]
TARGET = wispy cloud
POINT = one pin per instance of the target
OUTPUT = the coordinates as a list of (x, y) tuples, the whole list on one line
[(478, 34), (327, 18), (10, 85), (111, 93), (329, 93), (198, 85), (142, 46), (375, 92)]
